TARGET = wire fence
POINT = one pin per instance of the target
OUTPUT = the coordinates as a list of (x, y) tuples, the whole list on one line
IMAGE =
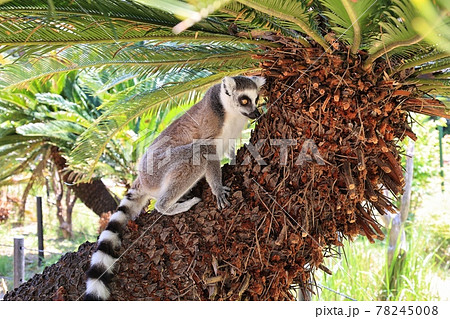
[(35, 250), (336, 292)]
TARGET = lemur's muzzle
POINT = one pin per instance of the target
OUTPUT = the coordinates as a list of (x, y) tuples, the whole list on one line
[(253, 115)]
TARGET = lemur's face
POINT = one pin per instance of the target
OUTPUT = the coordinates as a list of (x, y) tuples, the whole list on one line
[(243, 93), (246, 102)]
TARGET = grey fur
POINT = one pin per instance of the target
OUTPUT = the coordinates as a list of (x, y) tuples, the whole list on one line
[(244, 83), (215, 102)]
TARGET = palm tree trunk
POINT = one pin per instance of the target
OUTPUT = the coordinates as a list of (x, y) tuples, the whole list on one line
[(95, 195), (63, 212)]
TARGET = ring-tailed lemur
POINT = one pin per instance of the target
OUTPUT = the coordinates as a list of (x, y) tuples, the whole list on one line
[(167, 170)]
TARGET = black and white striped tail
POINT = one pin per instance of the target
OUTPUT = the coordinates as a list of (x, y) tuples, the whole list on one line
[(100, 272)]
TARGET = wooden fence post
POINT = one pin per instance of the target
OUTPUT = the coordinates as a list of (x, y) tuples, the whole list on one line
[(19, 261), (40, 230)]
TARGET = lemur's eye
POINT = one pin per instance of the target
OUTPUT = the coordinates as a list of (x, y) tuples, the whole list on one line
[(244, 100)]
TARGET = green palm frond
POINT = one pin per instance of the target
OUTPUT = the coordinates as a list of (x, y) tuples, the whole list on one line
[(43, 119), (10, 114), (296, 12), (142, 59), (128, 106), (11, 166), (442, 75), (192, 12), (12, 149), (354, 22), (62, 130), (433, 86), (435, 66), (397, 31), (28, 22), (430, 13), (58, 103), (436, 91), (430, 82), (253, 22), (400, 54), (420, 59), (8, 100), (14, 138), (70, 117)]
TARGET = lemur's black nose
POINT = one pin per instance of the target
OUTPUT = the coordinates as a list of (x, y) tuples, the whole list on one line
[(254, 115)]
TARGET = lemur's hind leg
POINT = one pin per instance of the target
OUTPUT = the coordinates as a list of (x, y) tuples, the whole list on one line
[(187, 196), (176, 184), (181, 207)]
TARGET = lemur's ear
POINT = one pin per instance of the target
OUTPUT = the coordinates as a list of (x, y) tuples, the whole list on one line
[(259, 81), (228, 84)]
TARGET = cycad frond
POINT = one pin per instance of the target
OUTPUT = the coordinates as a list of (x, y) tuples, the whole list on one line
[(12, 149), (13, 100), (62, 130), (430, 13), (442, 75), (128, 106), (420, 59), (10, 165), (296, 12), (397, 31), (192, 12), (252, 22), (59, 104), (142, 59), (439, 91), (436, 66), (353, 21), (14, 138), (29, 22), (444, 83), (433, 86)]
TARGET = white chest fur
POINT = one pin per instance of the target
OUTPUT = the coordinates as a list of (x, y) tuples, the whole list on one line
[(231, 131)]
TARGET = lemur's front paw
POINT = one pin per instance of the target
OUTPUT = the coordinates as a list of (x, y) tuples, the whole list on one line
[(221, 196)]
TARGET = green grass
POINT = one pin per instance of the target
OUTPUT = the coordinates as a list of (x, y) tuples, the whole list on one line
[(6, 266), (361, 273)]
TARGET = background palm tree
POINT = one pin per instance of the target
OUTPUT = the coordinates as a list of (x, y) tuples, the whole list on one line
[(39, 126), (342, 74)]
